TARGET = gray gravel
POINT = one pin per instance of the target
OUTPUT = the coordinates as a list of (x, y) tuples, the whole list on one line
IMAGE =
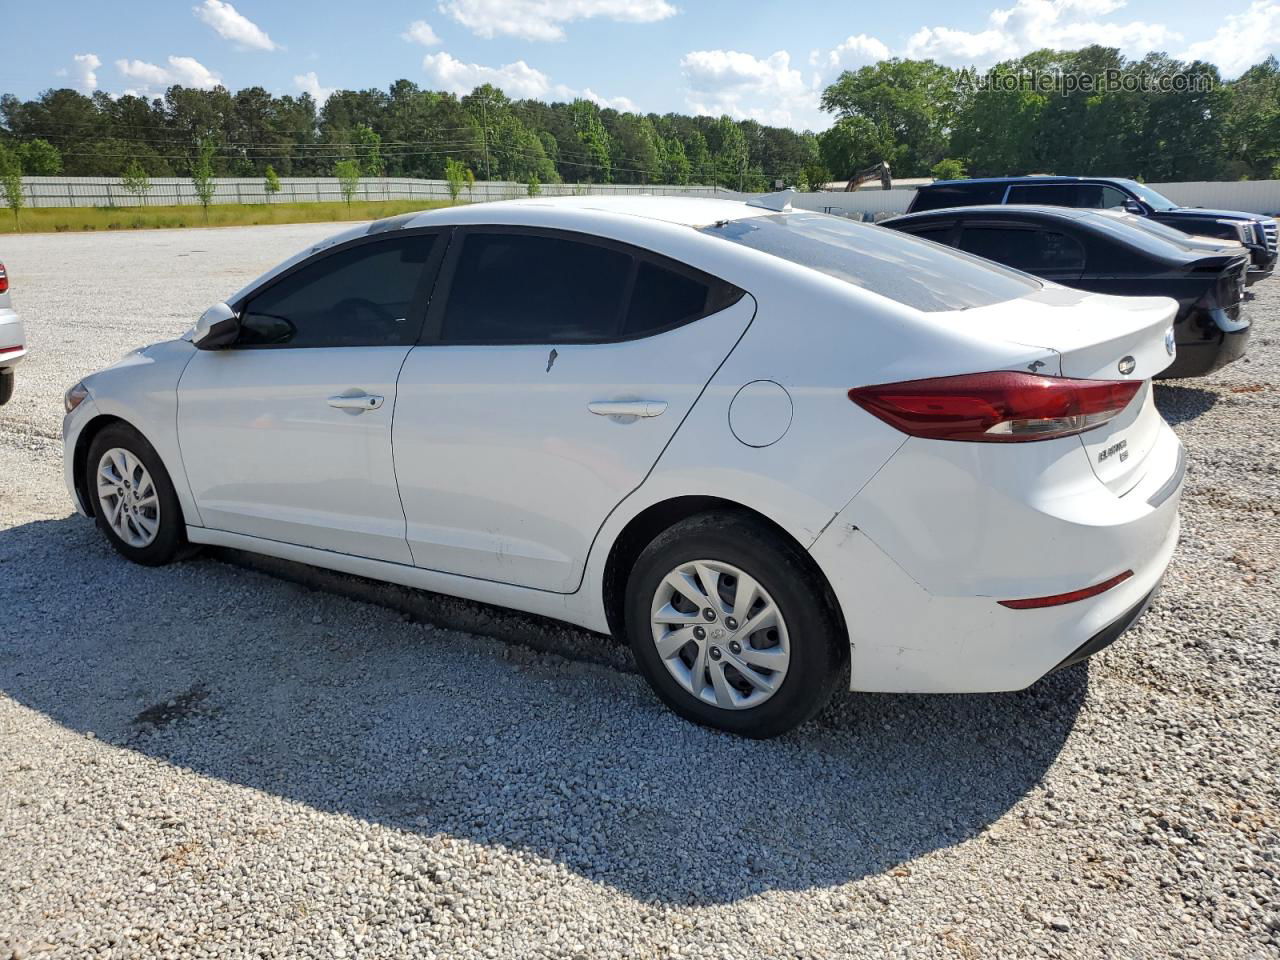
[(212, 760)]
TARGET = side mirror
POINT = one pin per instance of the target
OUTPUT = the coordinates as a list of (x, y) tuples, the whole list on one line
[(1133, 206), (217, 327)]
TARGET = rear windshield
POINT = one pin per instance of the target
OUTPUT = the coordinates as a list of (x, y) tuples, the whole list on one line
[(956, 195), (911, 271)]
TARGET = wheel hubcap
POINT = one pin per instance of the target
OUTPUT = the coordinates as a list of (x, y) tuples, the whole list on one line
[(720, 634), (128, 498)]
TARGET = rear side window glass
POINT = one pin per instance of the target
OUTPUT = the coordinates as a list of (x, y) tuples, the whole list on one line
[(1030, 250), (926, 276), (1051, 194), (663, 298), (956, 195), (359, 297), (511, 287), (936, 234)]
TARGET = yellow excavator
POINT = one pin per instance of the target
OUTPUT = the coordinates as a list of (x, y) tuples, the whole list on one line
[(880, 170)]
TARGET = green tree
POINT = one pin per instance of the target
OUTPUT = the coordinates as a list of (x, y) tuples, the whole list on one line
[(11, 181), (134, 180), (534, 186), (271, 183), (348, 174), (595, 165), (368, 146), (949, 168), (202, 176), (910, 102), (851, 144), (455, 174), (39, 158)]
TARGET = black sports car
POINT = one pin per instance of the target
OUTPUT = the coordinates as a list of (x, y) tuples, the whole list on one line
[(1091, 250)]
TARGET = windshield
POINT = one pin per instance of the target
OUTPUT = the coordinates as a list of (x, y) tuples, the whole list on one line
[(916, 273), (1156, 201)]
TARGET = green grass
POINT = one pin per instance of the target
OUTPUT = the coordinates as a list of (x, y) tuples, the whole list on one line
[(77, 219)]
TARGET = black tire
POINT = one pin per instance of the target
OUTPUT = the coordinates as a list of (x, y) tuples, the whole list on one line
[(819, 650), (6, 386), (170, 542)]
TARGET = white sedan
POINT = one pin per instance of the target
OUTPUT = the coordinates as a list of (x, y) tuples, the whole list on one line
[(13, 340), (778, 451)]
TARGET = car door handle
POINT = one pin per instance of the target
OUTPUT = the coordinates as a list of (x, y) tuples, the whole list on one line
[(628, 408), (360, 402)]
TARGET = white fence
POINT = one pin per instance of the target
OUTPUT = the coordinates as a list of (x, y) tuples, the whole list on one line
[(1257, 196), (166, 191)]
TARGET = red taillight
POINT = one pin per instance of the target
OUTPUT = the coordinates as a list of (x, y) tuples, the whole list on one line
[(4, 279), (999, 407), (4, 350), (1058, 599)]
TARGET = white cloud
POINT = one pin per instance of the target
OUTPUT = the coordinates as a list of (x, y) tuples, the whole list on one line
[(515, 79), (1243, 40), (185, 71), (854, 51), (86, 71), (744, 86), (1034, 24), (309, 83), (624, 104), (420, 32), (544, 19), (233, 25)]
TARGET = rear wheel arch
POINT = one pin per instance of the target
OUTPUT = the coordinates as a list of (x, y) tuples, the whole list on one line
[(652, 521)]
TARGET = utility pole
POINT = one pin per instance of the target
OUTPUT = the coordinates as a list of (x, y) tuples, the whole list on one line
[(484, 133)]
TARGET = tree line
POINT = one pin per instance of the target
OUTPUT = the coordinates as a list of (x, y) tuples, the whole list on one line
[(920, 116)]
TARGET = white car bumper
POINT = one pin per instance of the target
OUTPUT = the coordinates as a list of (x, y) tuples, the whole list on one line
[(13, 342), (72, 424), (918, 568)]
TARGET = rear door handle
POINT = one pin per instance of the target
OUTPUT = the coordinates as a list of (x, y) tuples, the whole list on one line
[(359, 403), (628, 408)]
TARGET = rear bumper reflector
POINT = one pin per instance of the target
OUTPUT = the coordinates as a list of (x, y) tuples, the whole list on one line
[(1058, 599), (18, 349)]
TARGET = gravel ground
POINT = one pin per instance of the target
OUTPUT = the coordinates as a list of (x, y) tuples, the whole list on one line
[(221, 759)]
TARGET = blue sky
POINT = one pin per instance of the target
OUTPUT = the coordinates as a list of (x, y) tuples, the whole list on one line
[(744, 58)]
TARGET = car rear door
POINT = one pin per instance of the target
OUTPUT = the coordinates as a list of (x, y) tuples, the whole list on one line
[(286, 435), (555, 369)]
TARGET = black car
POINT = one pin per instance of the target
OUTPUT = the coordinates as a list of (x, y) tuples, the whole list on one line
[(1092, 250), (1254, 230)]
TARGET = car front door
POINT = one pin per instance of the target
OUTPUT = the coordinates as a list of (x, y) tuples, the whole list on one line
[(555, 369), (286, 435), (1043, 251)]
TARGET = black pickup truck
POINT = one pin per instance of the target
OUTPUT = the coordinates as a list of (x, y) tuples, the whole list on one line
[(1255, 231)]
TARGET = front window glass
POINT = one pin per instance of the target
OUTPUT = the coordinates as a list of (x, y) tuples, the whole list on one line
[(1156, 201)]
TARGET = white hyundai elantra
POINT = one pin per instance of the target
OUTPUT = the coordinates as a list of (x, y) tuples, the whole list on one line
[(778, 450)]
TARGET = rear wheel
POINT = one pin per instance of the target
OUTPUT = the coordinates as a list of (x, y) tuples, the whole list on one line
[(6, 386), (732, 627), (134, 502)]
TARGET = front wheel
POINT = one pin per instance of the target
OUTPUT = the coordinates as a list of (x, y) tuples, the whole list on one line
[(732, 627), (134, 502)]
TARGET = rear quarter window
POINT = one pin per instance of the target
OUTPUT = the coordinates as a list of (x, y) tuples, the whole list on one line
[(916, 273)]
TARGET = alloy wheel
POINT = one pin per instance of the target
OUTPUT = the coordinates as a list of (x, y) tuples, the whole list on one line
[(128, 497), (720, 634)]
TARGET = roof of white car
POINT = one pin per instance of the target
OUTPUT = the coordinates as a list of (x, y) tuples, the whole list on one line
[(686, 211)]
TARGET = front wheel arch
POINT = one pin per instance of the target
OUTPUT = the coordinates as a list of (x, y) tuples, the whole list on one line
[(80, 456)]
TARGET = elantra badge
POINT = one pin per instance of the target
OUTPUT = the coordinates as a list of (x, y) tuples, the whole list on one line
[(1169, 347), (1127, 365)]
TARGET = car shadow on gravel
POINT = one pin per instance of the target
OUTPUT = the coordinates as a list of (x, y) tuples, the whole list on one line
[(1179, 404), (349, 708)]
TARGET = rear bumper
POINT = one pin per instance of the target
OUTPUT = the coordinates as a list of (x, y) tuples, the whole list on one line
[(919, 559), (12, 335), (1108, 634), (1208, 343)]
